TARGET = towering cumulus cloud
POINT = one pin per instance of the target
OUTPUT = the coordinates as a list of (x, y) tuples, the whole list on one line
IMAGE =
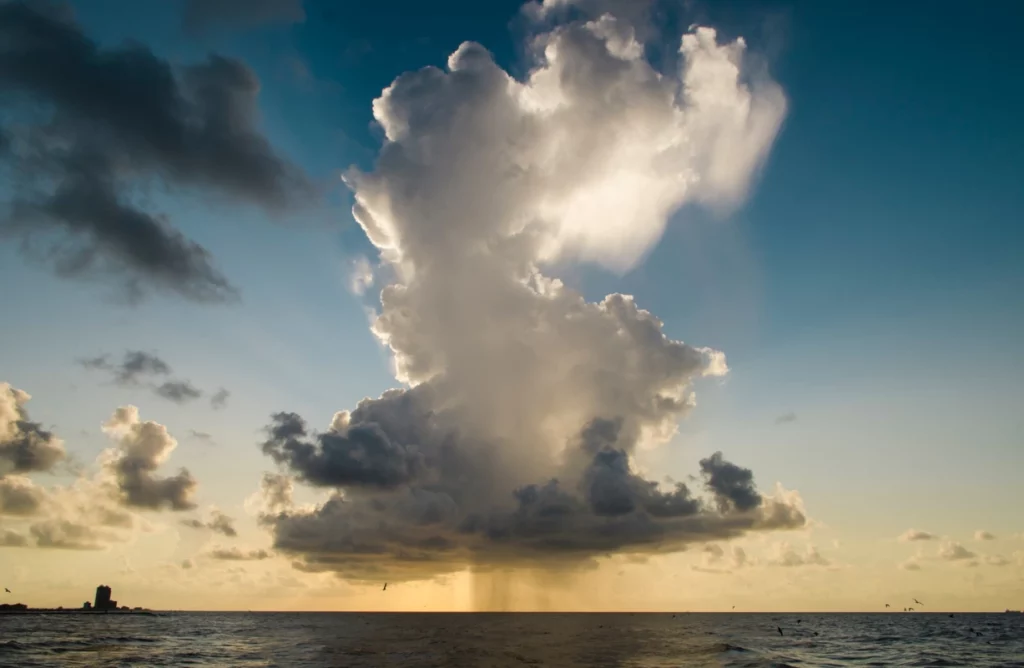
[(142, 448), (513, 443)]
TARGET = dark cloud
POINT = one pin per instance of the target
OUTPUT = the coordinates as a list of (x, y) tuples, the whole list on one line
[(786, 418), (218, 523), (135, 365), (219, 399), (235, 554), (364, 455), (25, 446), (139, 367), (142, 448), (179, 391), (98, 126), (200, 15), (733, 486), (433, 518), (19, 497), (66, 535)]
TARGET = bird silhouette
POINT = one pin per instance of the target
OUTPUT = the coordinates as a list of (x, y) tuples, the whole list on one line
[(734, 607), (887, 605), (7, 590), (385, 587), (815, 633), (918, 602), (910, 609), (798, 621), (780, 629)]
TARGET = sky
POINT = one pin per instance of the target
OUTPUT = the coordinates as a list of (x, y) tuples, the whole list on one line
[(512, 306)]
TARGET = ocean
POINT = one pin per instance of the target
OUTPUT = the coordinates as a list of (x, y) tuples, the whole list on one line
[(415, 639)]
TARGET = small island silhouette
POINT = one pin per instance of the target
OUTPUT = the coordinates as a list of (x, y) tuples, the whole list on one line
[(101, 604)]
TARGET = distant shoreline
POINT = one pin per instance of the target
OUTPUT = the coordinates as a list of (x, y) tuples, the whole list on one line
[(77, 611)]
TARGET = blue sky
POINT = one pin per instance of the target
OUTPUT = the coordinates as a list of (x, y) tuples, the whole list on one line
[(870, 285)]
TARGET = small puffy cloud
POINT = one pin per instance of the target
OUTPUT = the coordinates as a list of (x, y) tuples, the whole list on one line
[(911, 564), (786, 418), (981, 534), (141, 448), (135, 366), (236, 554), (219, 399), (912, 535), (25, 447), (953, 551), (186, 564), (178, 391), (218, 523), (201, 436), (788, 557), (140, 368), (360, 276), (997, 560)]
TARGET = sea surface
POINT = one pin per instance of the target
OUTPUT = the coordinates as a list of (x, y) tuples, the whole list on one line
[(635, 640)]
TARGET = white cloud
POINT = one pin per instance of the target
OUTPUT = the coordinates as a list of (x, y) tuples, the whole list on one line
[(484, 184), (911, 564), (360, 276), (980, 534), (953, 551)]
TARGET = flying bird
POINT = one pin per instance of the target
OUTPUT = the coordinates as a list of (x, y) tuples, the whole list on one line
[(7, 590), (918, 602), (780, 629), (734, 607), (887, 605), (385, 587)]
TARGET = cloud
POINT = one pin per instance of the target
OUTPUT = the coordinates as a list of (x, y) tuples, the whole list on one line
[(910, 565), (10, 538), (911, 535), (786, 418), (25, 447), (218, 523), (953, 551), (201, 436), (178, 391), (235, 554), (66, 535), (983, 535), (99, 127), (360, 277), (515, 441), (19, 496), (141, 368), (186, 564), (274, 495), (201, 15), (135, 365), (141, 448), (786, 556), (997, 560), (219, 399)]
